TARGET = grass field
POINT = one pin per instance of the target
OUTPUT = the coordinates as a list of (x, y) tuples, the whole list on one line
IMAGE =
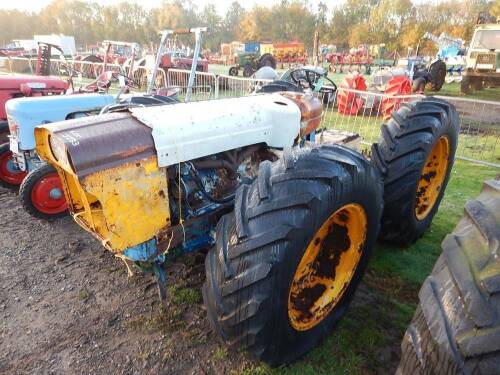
[(368, 336)]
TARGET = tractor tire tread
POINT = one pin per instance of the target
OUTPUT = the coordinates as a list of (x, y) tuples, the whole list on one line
[(406, 140), (456, 327), (242, 304)]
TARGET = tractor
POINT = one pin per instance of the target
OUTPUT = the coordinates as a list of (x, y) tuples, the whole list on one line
[(41, 84), (483, 56), (20, 167), (115, 52), (40, 189), (304, 79), (289, 224), (250, 62)]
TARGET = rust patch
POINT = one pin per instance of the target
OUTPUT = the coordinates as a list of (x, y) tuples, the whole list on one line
[(336, 242)]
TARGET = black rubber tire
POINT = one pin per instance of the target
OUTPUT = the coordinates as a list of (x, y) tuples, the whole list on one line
[(248, 71), (418, 85), (477, 84), (437, 75), (405, 142), (260, 244), (267, 60), (456, 328), (233, 71), (25, 193), (466, 85)]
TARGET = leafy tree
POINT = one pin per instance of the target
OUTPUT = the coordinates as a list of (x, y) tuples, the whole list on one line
[(399, 24)]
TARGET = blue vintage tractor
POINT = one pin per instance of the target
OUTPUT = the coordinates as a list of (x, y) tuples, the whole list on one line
[(39, 186)]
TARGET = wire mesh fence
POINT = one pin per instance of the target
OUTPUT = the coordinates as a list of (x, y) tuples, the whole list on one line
[(347, 111), (479, 138), (231, 86)]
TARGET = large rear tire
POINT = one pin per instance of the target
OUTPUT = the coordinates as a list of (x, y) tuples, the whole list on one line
[(437, 75), (415, 155), (10, 176), (248, 71), (267, 60), (42, 194), (456, 328), (312, 214), (466, 85)]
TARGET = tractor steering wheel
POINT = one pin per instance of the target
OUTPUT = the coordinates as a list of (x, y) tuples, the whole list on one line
[(309, 79)]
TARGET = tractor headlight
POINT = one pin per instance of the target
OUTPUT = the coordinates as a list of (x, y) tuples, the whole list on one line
[(58, 149)]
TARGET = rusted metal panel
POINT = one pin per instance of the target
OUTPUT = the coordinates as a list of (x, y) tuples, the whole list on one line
[(311, 111), (91, 144)]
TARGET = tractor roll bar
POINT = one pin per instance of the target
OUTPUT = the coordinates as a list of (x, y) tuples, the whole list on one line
[(164, 35)]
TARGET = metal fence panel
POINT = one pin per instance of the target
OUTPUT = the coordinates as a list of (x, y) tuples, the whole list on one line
[(479, 130), (230, 86), (348, 111), (351, 111), (204, 87)]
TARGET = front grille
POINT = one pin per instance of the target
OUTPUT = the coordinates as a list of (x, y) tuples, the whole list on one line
[(486, 58)]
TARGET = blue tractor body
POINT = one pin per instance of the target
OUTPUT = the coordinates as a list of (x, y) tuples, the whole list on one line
[(24, 114)]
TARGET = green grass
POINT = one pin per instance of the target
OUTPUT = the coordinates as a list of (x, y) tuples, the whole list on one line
[(184, 295), (413, 264), (453, 89)]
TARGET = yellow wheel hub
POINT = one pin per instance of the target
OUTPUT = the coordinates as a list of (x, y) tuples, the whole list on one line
[(432, 178), (327, 267)]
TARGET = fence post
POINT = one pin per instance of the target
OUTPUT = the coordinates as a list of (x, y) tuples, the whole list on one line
[(216, 87)]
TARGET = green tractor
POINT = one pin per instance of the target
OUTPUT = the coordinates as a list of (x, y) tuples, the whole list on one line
[(250, 62)]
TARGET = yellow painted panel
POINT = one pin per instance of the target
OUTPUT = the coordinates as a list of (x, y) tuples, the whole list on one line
[(131, 203)]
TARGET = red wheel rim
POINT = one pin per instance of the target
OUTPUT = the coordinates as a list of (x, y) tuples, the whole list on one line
[(47, 195), (8, 171)]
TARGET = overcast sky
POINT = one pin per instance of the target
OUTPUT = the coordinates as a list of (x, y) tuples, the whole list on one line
[(222, 5)]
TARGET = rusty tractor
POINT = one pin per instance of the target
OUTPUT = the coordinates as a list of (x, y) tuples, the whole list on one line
[(40, 188), (291, 224), (18, 86)]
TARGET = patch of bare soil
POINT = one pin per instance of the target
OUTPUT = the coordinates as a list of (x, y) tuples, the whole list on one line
[(67, 306)]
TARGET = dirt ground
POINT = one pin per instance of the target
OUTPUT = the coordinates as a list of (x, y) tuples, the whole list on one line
[(68, 307)]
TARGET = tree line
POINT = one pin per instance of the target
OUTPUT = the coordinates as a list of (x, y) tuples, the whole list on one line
[(398, 24)]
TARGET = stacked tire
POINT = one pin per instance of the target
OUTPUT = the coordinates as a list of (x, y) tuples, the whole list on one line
[(456, 327)]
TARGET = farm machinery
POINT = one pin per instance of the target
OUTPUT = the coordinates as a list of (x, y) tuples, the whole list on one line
[(291, 224), (309, 79), (390, 87), (250, 62), (115, 53), (357, 57), (41, 84), (483, 56), (39, 186)]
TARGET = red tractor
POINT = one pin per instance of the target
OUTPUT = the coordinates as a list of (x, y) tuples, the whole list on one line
[(16, 86)]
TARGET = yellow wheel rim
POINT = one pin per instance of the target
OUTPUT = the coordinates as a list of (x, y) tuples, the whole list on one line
[(327, 267), (432, 178)]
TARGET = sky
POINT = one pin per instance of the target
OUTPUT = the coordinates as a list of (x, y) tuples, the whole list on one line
[(222, 5)]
